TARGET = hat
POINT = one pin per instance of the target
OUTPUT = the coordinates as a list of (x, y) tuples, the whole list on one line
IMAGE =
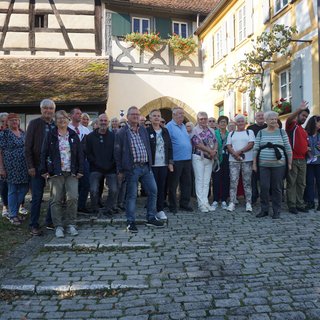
[(13, 116)]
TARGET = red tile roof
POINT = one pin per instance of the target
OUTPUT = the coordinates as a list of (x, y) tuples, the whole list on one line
[(64, 80)]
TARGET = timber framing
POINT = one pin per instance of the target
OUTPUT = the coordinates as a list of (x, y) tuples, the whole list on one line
[(6, 23)]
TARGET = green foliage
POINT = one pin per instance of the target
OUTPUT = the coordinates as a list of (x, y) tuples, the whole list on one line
[(282, 106), (98, 68), (249, 72), (182, 46), (144, 40)]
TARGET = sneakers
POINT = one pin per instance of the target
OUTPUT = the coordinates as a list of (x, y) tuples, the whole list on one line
[(23, 211), (155, 223), (50, 226), (262, 214), (224, 205), (59, 232), (161, 215), (35, 231), (131, 227), (248, 207), (71, 229), (203, 209), (214, 205), (5, 212), (231, 207)]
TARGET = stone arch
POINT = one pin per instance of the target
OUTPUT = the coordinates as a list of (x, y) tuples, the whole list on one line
[(168, 103)]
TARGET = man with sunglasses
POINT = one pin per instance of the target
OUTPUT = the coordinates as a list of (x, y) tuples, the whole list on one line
[(212, 122)]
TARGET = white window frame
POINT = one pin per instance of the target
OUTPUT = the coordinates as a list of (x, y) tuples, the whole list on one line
[(287, 84), (180, 23), (245, 103), (140, 23), (242, 23), (218, 38), (282, 5)]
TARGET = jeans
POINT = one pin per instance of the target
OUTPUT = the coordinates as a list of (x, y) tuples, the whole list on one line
[(296, 183), (84, 186), (182, 175), (111, 183), (144, 173), (254, 184), (202, 168), (64, 187), (16, 194), (37, 186), (4, 191), (160, 176), (313, 175), (271, 177), (221, 180), (122, 190)]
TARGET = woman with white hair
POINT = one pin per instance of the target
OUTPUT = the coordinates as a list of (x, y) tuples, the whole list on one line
[(204, 151), (272, 157), (240, 143), (114, 124)]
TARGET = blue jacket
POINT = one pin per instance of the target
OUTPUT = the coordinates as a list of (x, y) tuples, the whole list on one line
[(50, 160), (122, 149)]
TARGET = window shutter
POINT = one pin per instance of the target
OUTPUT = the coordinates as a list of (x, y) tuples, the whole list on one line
[(164, 27), (121, 24), (249, 17), (296, 83), (230, 32), (213, 48), (267, 98), (265, 11), (224, 38), (229, 103)]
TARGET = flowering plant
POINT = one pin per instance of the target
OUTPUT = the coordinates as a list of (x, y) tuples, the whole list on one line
[(282, 106), (144, 40), (182, 46)]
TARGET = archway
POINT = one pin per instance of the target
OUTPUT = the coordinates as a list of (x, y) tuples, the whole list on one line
[(165, 104)]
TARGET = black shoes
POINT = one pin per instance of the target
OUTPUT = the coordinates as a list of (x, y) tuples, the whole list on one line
[(276, 215), (173, 210), (310, 205), (300, 209), (186, 208), (84, 210), (155, 223), (262, 214), (50, 226), (293, 210), (131, 227)]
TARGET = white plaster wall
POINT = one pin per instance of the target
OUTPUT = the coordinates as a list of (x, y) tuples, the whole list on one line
[(21, 4), (74, 5), (42, 5), (2, 19), (4, 4), (16, 40), (19, 20), (78, 21), (50, 40), (82, 41), (138, 89)]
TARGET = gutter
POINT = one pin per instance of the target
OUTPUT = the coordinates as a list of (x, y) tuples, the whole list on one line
[(211, 15)]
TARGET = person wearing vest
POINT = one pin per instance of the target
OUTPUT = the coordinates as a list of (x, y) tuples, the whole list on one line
[(272, 154), (298, 137)]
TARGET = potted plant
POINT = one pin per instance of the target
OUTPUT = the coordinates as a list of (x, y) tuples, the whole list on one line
[(282, 106), (182, 47), (144, 40)]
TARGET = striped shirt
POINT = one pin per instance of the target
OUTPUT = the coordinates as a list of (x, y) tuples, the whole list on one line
[(138, 148), (267, 156)]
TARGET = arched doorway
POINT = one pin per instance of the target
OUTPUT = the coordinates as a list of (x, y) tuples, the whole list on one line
[(165, 104)]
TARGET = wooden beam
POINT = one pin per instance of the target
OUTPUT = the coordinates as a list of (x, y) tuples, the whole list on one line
[(98, 26), (6, 23), (44, 11), (62, 27), (32, 41), (50, 30)]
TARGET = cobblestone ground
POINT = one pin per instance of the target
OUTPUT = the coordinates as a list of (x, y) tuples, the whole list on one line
[(201, 266)]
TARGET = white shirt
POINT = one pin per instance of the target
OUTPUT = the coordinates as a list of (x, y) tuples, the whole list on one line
[(240, 139), (82, 130)]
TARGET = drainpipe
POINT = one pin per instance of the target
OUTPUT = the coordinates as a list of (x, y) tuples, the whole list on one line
[(198, 17)]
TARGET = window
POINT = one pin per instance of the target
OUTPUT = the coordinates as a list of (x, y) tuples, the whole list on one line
[(285, 84), (279, 4), (41, 21), (140, 25), (180, 28), (242, 30), (245, 102), (219, 45)]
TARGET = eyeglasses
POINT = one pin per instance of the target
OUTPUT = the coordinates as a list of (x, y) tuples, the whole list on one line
[(201, 119), (211, 120), (134, 114)]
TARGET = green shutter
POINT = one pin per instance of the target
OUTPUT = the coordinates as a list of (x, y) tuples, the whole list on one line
[(121, 24), (164, 27)]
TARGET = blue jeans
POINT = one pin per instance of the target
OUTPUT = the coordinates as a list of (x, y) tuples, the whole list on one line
[(145, 175), (16, 194), (160, 176), (111, 183), (84, 186), (313, 176)]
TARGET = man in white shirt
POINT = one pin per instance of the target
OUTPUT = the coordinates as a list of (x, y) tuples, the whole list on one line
[(84, 183)]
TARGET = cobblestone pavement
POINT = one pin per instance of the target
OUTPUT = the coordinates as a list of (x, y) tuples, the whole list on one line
[(201, 266)]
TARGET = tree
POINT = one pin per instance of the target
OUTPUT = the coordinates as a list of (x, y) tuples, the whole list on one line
[(249, 72)]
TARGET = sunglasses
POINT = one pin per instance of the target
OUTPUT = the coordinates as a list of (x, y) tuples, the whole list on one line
[(212, 121)]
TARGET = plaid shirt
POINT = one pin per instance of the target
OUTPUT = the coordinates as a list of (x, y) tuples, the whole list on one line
[(138, 148)]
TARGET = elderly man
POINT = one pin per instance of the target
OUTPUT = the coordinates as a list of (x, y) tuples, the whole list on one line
[(100, 154), (134, 159), (259, 125), (84, 184), (182, 150), (36, 132), (212, 122)]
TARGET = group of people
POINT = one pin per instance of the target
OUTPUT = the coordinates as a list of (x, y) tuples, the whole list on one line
[(61, 149)]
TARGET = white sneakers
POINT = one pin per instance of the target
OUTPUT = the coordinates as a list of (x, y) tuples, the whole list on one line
[(161, 216), (5, 212), (224, 205), (71, 229), (59, 232), (231, 207), (248, 207), (214, 205), (203, 209)]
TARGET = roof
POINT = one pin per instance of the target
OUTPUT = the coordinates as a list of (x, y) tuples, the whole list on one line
[(202, 6), (64, 80)]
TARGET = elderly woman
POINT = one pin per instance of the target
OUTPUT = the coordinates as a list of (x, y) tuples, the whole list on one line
[(114, 124), (13, 165), (272, 157), (240, 143), (189, 127), (62, 163), (204, 150), (85, 119)]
